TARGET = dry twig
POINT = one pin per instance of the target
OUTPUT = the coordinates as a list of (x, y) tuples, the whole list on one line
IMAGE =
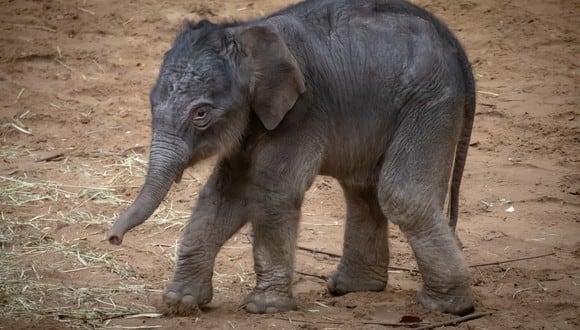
[(51, 157), (395, 324), (289, 319), (90, 12), (34, 27), (330, 254), (456, 321), (322, 277), (334, 255), (488, 93), (511, 260)]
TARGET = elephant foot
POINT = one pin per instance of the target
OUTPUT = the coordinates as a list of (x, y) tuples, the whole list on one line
[(456, 301), (185, 299), (268, 302), (341, 282)]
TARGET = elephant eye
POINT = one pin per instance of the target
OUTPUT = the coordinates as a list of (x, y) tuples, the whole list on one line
[(201, 118), (200, 113)]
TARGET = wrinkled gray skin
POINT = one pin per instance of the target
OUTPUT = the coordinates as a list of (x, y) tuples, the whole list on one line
[(377, 94)]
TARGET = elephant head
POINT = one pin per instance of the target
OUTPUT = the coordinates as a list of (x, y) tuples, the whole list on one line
[(210, 82)]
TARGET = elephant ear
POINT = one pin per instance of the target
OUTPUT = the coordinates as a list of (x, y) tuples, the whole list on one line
[(275, 80)]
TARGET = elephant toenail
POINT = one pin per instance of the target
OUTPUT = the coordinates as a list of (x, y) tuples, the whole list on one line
[(270, 310), (188, 300), (252, 308)]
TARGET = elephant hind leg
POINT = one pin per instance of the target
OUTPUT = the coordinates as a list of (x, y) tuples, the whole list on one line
[(363, 266), (412, 188)]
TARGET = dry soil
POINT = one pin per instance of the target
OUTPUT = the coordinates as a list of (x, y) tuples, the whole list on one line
[(74, 115)]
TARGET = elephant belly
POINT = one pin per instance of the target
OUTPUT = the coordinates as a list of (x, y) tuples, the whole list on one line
[(355, 159)]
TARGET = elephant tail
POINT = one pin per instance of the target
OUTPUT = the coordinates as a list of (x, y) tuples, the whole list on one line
[(463, 144)]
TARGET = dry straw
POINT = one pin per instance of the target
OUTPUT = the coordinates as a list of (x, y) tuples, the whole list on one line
[(27, 288)]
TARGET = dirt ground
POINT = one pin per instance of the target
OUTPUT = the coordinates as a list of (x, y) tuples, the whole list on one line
[(74, 82)]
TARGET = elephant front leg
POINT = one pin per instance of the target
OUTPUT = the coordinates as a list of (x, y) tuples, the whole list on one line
[(219, 213), (191, 285), (365, 260), (275, 231)]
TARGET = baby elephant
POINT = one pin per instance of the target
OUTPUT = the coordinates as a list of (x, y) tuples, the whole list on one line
[(378, 94)]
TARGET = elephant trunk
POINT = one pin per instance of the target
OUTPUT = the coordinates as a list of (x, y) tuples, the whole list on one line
[(165, 167)]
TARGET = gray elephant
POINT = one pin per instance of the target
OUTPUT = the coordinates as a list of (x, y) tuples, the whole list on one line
[(378, 94)]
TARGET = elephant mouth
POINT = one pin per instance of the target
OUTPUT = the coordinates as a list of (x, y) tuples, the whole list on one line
[(178, 177)]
